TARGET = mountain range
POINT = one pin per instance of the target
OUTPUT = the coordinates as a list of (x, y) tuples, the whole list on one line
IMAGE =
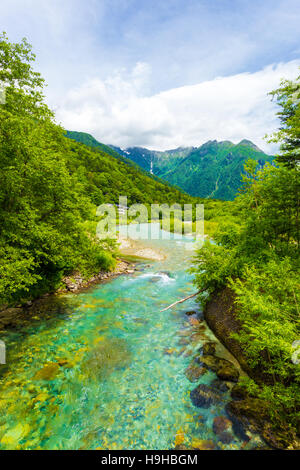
[(212, 170), (105, 175)]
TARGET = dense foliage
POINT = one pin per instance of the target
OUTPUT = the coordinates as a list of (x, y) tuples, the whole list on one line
[(43, 209), (256, 254), (210, 171)]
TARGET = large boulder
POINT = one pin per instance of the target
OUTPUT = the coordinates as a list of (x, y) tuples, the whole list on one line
[(221, 314)]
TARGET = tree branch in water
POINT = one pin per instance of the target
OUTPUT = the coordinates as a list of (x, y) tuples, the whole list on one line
[(183, 300)]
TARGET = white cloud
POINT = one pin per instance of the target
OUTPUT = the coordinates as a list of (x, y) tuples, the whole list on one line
[(118, 110)]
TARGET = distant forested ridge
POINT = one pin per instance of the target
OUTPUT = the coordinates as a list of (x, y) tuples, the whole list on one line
[(108, 175), (212, 170)]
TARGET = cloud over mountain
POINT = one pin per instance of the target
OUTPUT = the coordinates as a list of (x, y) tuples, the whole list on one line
[(120, 110)]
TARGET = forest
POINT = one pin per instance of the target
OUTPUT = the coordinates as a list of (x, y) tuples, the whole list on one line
[(51, 186)]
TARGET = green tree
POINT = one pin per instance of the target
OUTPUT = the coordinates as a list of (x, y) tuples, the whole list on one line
[(287, 97)]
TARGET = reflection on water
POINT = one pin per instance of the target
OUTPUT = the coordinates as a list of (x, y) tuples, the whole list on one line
[(106, 369)]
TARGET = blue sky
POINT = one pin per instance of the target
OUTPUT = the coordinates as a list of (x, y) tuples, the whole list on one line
[(150, 72)]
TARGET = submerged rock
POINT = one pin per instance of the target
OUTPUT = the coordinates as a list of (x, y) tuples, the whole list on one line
[(204, 396), (65, 363), (48, 372), (170, 351), (188, 352), (191, 312), (220, 385), (199, 335), (221, 424), (194, 321), (201, 419), (181, 447), (179, 438), (184, 341), (107, 355), (194, 372), (13, 436), (141, 321), (9, 317), (224, 369), (228, 372)]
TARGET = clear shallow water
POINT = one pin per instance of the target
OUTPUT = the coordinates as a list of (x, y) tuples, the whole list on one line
[(106, 369)]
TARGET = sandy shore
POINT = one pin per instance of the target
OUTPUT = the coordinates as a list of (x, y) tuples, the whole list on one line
[(136, 248)]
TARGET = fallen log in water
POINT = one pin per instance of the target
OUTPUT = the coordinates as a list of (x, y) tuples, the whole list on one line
[(183, 300)]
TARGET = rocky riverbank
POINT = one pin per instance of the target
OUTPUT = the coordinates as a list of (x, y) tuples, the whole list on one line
[(248, 411), (76, 282), (127, 247)]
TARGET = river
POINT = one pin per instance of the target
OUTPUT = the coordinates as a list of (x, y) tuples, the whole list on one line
[(105, 369)]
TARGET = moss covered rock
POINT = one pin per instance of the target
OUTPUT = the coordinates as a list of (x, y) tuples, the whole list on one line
[(203, 444), (224, 369), (238, 392)]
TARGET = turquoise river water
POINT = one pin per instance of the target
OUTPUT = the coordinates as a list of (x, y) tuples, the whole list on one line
[(105, 369)]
